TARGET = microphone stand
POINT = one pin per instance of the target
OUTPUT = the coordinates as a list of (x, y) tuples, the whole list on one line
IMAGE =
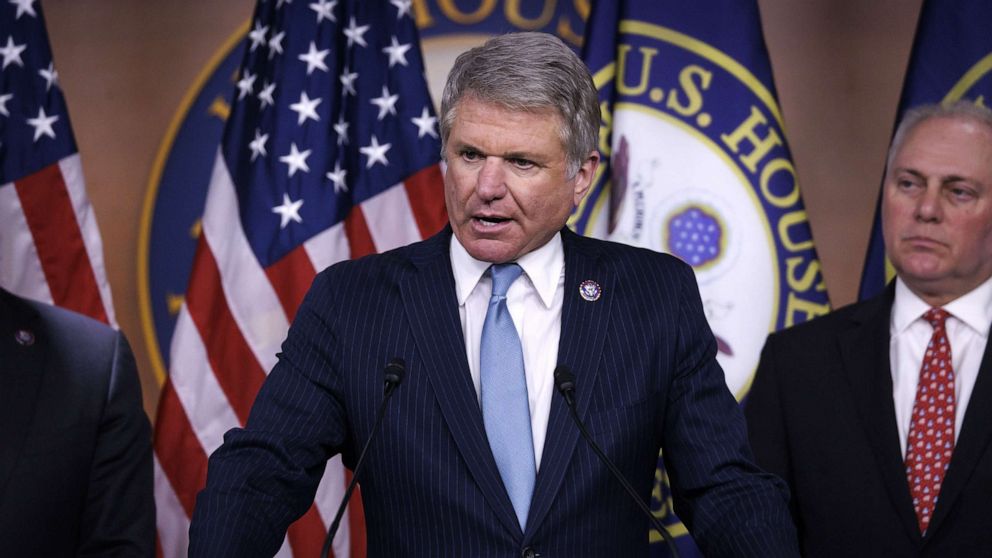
[(565, 382), (394, 372)]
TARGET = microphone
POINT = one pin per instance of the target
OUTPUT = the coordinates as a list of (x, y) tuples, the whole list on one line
[(565, 382), (393, 375)]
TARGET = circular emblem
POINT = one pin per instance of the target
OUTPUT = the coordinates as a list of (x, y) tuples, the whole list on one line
[(24, 337), (696, 165), (590, 290)]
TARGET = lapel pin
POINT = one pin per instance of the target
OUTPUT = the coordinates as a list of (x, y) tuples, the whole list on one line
[(590, 290), (24, 337)]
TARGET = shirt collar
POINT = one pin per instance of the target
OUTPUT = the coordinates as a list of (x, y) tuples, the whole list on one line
[(542, 266), (973, 308)]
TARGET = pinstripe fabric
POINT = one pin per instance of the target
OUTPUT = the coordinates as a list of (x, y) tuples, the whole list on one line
[(646, 374)]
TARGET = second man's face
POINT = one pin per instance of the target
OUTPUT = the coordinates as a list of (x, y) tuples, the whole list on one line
[(937, 208), (506, 187)]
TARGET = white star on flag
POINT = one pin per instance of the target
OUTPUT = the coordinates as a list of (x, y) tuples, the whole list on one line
[(257, 35), (257, 145), (245, 84), (50, 74), (425, 124), (315, 58), (341, 128), (402, 7), (375, 152), (24, 7), (355, 33), (3, 103), (305, 130), (396, 52), (288, 211), (348, 82), (296, 159), (324, 9), (43, 124), (275, 44), (12, 53), (337, 177), (265, 95), (386, 103), (306, 108)]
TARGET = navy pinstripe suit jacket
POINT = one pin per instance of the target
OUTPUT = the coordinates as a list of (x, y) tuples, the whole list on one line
[(647, 378)]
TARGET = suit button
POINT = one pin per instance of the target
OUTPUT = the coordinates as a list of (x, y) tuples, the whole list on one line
[(529, 553)]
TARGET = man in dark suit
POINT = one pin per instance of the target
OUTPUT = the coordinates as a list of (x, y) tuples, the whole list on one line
[(75, 444), (477, 455), (879, 415)]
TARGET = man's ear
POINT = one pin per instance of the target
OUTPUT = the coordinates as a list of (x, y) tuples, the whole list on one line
[(584, 177)]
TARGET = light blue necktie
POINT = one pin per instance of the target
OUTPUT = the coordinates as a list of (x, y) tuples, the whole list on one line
[(505, 407)]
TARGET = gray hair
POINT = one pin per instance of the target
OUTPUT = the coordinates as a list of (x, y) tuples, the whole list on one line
[(528, 72), (962, 109)]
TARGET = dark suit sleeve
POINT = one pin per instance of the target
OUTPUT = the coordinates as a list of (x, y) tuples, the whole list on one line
[(733, 508), (119, 514), (765, 422), (265, 476)]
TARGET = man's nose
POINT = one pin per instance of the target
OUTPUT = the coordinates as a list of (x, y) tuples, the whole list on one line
[(928, 205), (491, 184)]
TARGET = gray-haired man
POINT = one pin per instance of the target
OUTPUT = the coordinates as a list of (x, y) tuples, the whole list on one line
[(478, 456)]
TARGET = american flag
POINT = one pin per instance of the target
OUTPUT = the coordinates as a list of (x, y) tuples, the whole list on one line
[(330, 152), (50, 247)]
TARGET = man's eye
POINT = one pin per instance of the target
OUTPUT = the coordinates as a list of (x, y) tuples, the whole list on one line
[(961, 194), (906, 184), (521, 163), (470, 155)]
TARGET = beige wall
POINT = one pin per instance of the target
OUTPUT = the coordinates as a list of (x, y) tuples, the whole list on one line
[(125, 66)]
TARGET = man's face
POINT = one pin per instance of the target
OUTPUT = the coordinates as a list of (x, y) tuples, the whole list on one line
[(506, 186), (937, 209)]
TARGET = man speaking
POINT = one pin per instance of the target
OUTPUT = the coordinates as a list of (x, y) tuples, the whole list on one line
[(477, 455)]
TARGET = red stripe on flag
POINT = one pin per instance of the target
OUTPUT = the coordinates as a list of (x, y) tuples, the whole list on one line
[(291, 277), (178, 449), (426, 192), (55, 230), (306, 534), (359, 237), (235, 366)]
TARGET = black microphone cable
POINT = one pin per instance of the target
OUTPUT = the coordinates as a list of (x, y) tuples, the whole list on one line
[(565, 382), (393, 376)]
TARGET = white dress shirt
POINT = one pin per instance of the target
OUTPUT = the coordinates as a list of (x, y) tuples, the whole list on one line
[(534, 301), (967, 332)]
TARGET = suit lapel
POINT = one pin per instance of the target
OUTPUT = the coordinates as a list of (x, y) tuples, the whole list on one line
[(972, 442), (432, 309), (21, 369), (865, 352), (579, 348)]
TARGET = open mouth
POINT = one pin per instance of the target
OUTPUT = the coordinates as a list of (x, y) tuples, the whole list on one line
[(490, 221)]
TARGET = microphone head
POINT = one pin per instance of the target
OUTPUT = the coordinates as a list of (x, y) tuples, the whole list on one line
[(564, 379), (395, 370)]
